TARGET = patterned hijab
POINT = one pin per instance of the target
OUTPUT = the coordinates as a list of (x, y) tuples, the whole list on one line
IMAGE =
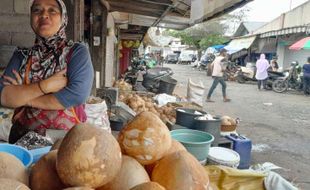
[(48, 55)]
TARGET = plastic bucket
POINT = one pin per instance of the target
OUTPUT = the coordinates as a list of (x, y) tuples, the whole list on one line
[(196, 142), (19, 152), (116, 124), (167, 85), (223, 156), (209, 126), (185, 117)]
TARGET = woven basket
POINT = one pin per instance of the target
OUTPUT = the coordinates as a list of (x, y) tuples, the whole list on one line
[(228, 128)]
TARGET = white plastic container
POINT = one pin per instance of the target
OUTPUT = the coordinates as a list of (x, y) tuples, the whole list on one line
[(223, 156)]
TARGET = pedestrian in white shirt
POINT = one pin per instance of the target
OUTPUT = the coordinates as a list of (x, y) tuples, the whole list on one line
[(262, 66), (217, 75)]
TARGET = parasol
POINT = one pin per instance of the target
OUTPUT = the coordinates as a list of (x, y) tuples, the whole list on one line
[(301, 44)]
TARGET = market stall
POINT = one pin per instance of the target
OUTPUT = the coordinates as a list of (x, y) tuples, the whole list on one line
[(159, 142)]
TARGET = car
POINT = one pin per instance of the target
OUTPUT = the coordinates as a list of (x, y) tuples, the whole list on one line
[(172, 58), (185, 58)]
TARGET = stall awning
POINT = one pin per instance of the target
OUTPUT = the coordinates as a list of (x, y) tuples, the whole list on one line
[(267, 45), (239, 44)]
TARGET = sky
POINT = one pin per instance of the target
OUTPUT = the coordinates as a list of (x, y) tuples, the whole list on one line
[(267, 10)]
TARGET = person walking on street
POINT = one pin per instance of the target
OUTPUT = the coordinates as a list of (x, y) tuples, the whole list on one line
[(262, 66), (306, 70), (217, 75)]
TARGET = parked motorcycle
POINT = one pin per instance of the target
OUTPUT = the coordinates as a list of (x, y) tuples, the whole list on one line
[(245, 74), (131, 75), (230, 72), (203, 63), (153, 76), (291, 80)]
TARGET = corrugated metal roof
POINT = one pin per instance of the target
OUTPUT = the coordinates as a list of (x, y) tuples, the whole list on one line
[(252, 26), (248, 28)]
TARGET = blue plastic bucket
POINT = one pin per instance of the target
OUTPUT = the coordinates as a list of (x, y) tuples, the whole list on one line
[(196, 142), (19, 152)]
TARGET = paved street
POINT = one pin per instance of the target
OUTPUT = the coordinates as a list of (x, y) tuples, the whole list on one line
[(279, 130)]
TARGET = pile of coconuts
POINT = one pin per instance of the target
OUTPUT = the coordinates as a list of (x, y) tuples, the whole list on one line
[(140, 104), (144, 157)]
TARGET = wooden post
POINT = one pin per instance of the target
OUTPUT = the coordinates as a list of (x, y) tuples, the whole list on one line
[(75, 28), (98, 39)]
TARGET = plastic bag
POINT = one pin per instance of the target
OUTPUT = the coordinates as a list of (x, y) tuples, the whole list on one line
[(226, 178), (97, 113), (163, 99), (6, 115), (33, 140), (195, 92)]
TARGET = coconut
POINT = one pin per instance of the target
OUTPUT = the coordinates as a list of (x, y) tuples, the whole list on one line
[(132, 173), (146, 138), (225, 120), (10, 184), (13, 168), (148, 186), (176, 146), (78, 188), (57, 144), (88, 156), (43, 174), (180, 171)]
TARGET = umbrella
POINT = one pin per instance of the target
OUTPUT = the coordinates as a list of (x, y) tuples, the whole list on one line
[(301, 44)]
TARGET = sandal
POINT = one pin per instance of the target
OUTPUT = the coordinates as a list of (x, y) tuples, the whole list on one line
[(208, 100), (226, 100)]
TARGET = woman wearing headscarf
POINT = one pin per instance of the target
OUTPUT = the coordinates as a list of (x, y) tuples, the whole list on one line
[(48, 83), (262, 66)]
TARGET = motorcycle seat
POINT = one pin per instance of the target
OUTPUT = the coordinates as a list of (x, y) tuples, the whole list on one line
[(276, 73)]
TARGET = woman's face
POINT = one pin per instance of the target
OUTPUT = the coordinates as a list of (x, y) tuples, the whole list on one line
[(45, 17)]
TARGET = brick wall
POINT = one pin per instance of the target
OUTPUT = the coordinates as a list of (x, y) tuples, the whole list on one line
[(15, 28)]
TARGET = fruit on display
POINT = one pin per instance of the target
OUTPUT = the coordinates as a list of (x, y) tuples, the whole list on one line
[(132, 173), (146, 138), (181, 171), (226, 120), (122, 85), (176, 146), (57, 144), (79, 188), (139, 104), (88, 156), (12, 168), (148, 186), (43, 174), (11, 184)]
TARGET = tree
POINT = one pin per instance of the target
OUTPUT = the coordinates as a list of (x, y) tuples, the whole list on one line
[(201, 36), (210, 40), (204, 35)]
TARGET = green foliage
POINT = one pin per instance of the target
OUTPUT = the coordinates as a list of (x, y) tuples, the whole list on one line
[(201, 42), (210, 40), (212, 32)]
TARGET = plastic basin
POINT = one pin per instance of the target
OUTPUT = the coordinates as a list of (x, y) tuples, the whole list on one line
[(196, 142), (39, 152), (19, 152), (185, 117)]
